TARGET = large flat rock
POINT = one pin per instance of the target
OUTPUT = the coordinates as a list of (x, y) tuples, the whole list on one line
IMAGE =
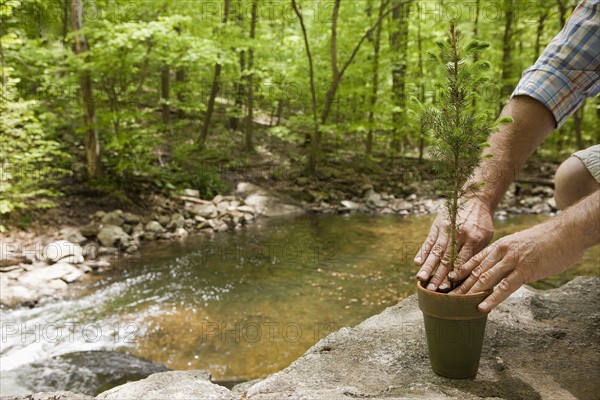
[(539, 345)]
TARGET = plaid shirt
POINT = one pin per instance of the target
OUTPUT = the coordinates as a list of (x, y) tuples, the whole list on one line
[(568, 70)]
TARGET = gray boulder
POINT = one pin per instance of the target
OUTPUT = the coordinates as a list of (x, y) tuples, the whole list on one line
[(539, 345), (203, 210), (112, 235), (15, 295), (73, 235), (154, 227), (40, 277), (90, 230), (113, 218), (177, 221), (63, 250), (131, 218), (174, 385)]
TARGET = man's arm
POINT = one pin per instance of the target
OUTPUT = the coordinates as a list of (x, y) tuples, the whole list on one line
[(543, 250), (510, 148), (565, 74)]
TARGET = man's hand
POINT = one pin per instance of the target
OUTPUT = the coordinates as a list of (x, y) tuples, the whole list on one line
[(532, 254), (474, 233)]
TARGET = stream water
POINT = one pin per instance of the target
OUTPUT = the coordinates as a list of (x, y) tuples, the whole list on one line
[(241, 305)]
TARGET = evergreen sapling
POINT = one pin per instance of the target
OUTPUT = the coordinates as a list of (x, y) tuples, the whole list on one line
[(458, 133)]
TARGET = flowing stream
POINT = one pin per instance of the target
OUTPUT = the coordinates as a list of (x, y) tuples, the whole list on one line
[(241, 305)]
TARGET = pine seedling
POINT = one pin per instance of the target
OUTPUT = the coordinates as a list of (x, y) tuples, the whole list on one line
[(458, 133)]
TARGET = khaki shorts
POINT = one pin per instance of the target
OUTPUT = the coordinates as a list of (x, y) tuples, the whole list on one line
[(591, 159)]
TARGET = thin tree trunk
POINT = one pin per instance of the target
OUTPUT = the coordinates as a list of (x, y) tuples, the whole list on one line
[(507, 73), (375, 83), (399, 47), (250, 116), (312, 164), (577, 126), (422, 94), (214, 89), (315, 143), (144, 68), (65, 21), (540, 32), (562, 11), (90, 140), (165, 86), (180, 78), (279, 112), (475, 56)]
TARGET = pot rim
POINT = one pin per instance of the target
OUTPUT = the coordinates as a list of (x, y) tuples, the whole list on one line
[(431, 293)]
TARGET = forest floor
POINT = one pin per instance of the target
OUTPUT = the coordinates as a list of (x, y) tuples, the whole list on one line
[(280, 167)]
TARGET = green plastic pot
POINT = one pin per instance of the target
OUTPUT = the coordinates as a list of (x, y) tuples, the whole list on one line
[(454, 328)]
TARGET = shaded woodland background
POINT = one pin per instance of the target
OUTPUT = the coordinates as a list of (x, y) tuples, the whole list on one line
[(157, 95)]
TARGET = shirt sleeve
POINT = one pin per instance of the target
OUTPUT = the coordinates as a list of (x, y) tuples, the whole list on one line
[(568, 70)]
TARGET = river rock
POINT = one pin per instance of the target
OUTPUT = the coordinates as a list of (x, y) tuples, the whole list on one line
[(203, 210), (131, 218), (112, 235), (51, 396), (222, 207), (177, 221), (163, 219), (154, 227), (73, 235), (90, 230), (217, 199), (41, 276), (62, 250), (246, 209), (113, 218), (373, 199), (538, 345), (171, 385), (191, 193), (15, 295), (350, 205), (181, 233), (87, 372)]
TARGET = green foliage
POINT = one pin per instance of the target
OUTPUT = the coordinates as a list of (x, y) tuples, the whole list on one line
[(130, 43), (30, 159), (458, 134)]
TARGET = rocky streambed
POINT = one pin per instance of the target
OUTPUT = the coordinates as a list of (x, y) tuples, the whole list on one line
[(43, 267)]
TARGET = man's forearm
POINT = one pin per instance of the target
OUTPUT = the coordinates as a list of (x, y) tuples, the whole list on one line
[(582, 221), (511, 146)]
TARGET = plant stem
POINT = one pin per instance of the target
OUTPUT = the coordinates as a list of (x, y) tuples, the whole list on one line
[(455, 90)]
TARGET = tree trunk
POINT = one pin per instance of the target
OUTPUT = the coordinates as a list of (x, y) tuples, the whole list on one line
[(507, 73), (562, 11), (540, 30), (65, 21), (250, 113), (180, 78), (214, 88), (312, 162), (375, 83), (399, 47), (165, 83), (422, 94), (475, 56), (577, 126), (90, 140), (329, 98)]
